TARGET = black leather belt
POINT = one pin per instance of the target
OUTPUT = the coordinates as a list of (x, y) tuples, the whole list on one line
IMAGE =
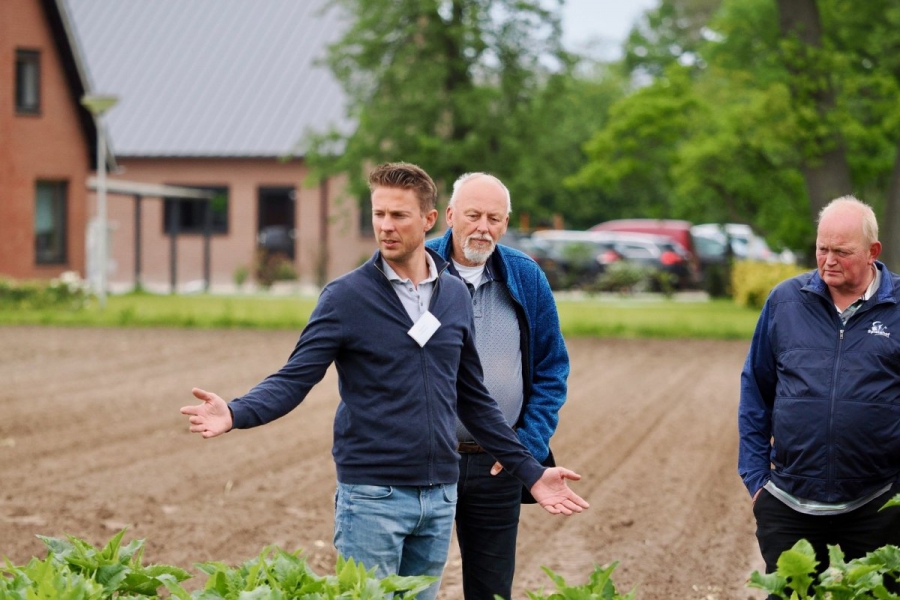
[(468, 448)]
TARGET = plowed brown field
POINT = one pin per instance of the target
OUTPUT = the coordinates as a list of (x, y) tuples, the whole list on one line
[(91, 440)]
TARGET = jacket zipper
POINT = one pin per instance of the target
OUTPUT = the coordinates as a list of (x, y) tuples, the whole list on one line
[(428, 404), (834, 382)]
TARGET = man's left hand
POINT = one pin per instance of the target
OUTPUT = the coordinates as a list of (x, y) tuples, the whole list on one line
[(552, 492)]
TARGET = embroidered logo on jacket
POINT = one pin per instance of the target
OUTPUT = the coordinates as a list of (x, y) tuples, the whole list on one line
[(878, 328)]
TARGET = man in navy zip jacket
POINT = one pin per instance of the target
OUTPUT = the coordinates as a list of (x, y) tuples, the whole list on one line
[(525, 364), (400, 331), (819, 415)]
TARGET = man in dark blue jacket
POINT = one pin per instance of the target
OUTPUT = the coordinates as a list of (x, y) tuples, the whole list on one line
[(525, 364), (400, 331), (819, 415)]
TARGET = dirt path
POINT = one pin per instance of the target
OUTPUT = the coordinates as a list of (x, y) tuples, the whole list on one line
[(91, 440)]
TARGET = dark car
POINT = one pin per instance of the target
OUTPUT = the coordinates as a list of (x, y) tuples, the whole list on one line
[(572, 259), (580, 258), (659, 253), (276, 239), (676, 230)]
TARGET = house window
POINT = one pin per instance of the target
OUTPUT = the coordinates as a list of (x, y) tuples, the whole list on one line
[(28, 82), (50, 223), (189, 215), (365, 217)]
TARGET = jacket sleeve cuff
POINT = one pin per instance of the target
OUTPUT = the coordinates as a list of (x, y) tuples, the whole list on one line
[(529, 472), (755, 481)]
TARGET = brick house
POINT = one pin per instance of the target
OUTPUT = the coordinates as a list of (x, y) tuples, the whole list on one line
[(47, 143), (213, 95)]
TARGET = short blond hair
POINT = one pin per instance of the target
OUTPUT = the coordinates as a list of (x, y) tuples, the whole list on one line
[(406, 176)]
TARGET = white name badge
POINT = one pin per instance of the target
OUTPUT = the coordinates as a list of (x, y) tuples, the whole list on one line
[(424, 328)]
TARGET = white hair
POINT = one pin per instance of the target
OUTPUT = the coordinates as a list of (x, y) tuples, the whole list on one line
[(869, 222), (469, 176)]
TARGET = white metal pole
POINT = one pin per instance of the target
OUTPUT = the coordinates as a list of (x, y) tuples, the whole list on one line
[(101, 211)]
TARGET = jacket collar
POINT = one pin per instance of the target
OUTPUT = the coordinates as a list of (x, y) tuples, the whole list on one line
[(885, 292), (373, 265)]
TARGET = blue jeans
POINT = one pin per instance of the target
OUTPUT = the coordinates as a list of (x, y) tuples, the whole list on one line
[(487, 522), (403, 530)]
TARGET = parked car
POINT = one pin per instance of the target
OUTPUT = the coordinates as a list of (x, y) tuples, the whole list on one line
[(578, 258), (572, 258), (520, 241), (277, 239), (745, 244), (677, 230), (657, 252)]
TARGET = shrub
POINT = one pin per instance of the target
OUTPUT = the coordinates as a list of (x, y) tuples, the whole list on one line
[(240, 276), (625, 277), (752, 281), (67, 291), (272, 267)]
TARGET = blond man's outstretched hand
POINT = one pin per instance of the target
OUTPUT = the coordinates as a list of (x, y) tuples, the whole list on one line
[(211, 418), (552, 492)]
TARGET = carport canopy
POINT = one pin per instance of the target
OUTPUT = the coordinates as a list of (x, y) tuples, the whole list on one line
[(139, 190)]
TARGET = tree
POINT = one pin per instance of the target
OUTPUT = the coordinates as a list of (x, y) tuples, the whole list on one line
[(669, 34), (560, 120), (448, 84), (812, 69), (787, 104), (867, 35)]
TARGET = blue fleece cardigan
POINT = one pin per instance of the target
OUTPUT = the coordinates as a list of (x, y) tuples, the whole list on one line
[(396, 422), (545, 360)]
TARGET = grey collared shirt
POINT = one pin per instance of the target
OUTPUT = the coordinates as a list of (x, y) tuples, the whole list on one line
[(415, 298), (498, 340), (870, 291)]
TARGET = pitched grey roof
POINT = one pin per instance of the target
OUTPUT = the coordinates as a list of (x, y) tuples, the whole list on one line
[(212, 78)]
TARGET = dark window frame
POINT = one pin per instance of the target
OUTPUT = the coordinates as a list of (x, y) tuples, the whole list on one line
[(22, 99), (192, 212), (364, 224), (51, 247)]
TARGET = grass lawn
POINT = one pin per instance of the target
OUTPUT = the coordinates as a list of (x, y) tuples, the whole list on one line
[(614, 316)]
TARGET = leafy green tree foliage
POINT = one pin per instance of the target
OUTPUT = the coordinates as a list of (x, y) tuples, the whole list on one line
[(867, 37), (671, 33), (779, 107), (630, 158), (562, 117), (448, 84)]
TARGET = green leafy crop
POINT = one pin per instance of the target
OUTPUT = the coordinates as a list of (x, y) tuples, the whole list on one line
[(276, 574)]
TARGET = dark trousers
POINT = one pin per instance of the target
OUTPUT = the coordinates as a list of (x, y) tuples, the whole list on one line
[(487, 522), (779, 527)]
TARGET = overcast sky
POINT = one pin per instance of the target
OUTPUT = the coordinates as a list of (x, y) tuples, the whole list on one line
[(606, 22)]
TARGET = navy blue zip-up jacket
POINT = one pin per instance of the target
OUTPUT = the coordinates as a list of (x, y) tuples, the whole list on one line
[(545, 360), (396, 422), (826, 394)]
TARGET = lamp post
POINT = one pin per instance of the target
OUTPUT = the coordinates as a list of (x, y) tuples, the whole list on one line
[(98, 104)]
